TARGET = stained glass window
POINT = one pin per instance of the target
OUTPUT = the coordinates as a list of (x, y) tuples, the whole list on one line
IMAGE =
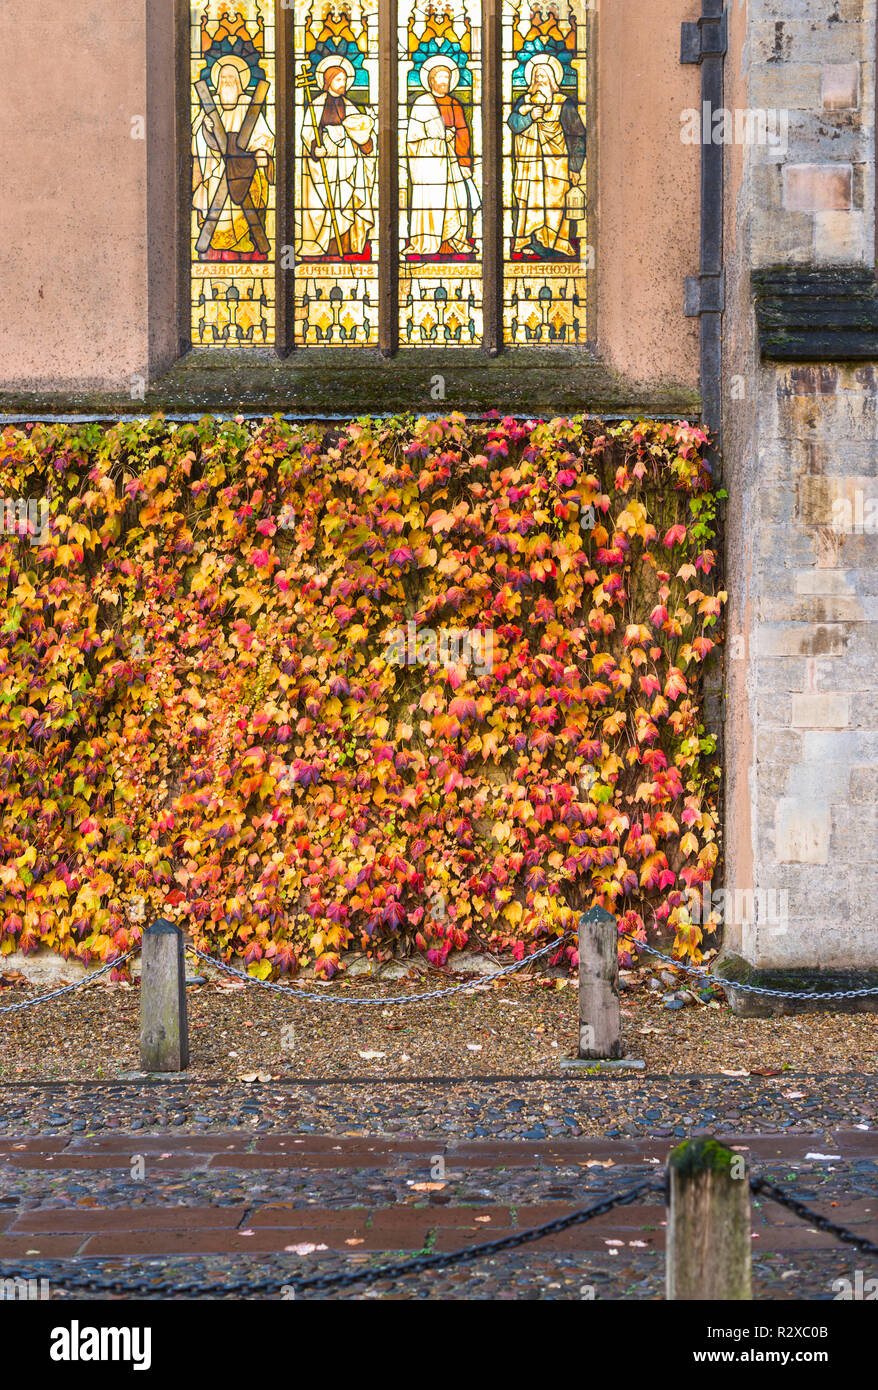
[(234, 172), (544, 147), (287, 129), (335, 48), (440, 128)]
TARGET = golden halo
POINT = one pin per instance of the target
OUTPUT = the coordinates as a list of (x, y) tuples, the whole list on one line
[(231, 60), (439, 60), (335, 60), (550, 61)]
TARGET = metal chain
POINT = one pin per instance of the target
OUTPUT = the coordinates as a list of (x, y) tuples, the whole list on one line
[(292, 992), (768, 1189), (751, 989), (397, 1269), (66, 989)]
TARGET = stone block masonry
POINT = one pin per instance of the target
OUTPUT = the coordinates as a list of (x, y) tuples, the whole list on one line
[(801, 467)]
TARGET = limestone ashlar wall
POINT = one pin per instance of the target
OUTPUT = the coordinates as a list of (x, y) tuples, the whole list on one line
[(802, 471)]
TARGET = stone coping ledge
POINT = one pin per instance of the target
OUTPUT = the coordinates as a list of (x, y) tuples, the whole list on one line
[(337, 383), (804, 984)]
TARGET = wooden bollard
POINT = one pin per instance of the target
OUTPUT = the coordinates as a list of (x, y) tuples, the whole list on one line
[(600, 1020), (600, 1017), (708, 1241), (164, 1032)]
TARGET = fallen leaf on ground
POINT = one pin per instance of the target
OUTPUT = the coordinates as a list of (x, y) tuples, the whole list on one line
[(724, 1071), (371, 1056), (304, 1248), (251, 1076)]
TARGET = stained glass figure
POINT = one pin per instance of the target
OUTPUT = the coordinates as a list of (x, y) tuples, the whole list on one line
[(440, 175), (233, 172), (336, 148), (545, 251), (331, 156)]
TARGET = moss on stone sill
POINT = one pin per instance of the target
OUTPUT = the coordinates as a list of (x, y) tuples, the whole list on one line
[(339, 382)]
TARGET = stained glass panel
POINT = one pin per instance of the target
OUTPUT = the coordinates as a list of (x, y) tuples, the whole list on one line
[(335, 159), (232, 73), (440, 176), (545, 252)]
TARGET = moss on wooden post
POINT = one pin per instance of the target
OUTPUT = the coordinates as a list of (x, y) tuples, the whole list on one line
[(708, 1252)]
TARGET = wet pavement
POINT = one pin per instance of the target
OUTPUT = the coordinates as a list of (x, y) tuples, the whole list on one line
[(194, 1183)]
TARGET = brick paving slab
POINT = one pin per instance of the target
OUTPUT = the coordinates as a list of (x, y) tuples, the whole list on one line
[(172, 1243), (78, 1162), (282, 1151), (859, 1213), (46, 1246), (151, 1218), (191, 1230)]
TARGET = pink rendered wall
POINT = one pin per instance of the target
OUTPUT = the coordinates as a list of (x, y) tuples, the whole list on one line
[(74, 215), (648, 196), (88, 281)]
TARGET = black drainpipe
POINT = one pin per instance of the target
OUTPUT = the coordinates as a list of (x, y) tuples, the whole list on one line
[(705, 42)]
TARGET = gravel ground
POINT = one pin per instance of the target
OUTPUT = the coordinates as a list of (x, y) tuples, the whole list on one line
[(512, 1027)]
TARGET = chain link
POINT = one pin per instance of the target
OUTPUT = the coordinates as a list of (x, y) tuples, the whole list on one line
[(395, 1270), (776, 1194), (750, 989), (293, 992), (66, 989)]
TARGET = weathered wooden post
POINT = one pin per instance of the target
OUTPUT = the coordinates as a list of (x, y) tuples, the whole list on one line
[(600, 1022), (164, 1032), (708, 1242), (600, 1019)]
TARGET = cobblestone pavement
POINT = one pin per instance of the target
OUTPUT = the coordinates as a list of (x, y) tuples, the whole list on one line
[(170, 1181), (468, 1108)]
